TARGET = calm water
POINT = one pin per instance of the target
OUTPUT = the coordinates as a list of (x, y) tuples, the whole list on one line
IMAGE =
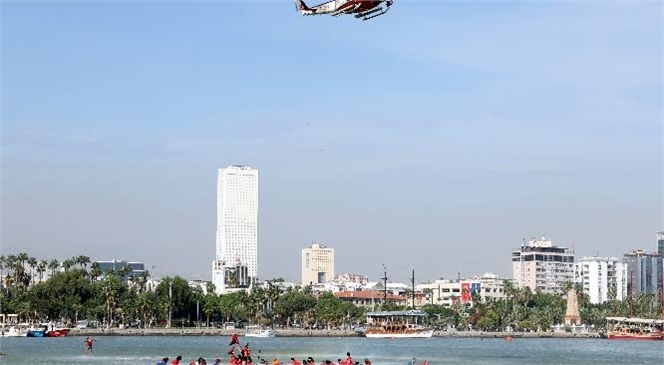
[(148, 350)]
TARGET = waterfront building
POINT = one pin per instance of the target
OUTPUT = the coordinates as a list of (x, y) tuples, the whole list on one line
[(236, 262), (371, 299), (660, 243), (602, 278), (644, 272), (461, 291), (542, 266), (317, 264)]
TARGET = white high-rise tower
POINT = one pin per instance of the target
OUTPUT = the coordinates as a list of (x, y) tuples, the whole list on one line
[(236, 261)]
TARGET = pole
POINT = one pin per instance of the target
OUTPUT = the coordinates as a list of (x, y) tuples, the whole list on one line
[(198, 315), (385, 285), (412, 281), (631, 293), (373, 306), (170, 302)]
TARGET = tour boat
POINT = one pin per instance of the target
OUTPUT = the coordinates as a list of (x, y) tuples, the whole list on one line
[(397, 324), (622, 328)]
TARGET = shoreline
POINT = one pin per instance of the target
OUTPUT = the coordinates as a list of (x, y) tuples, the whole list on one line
[(310, 333)]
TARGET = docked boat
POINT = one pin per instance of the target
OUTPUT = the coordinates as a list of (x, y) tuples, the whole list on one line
[(261, 333), (397, 324), (14, 331), (55, 330), (58, 332), (36, 332), (623, 328)]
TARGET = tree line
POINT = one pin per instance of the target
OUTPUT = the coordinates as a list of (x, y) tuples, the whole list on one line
[(80, 291)]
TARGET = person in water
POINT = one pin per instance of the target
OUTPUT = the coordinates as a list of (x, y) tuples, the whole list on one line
[(88, 343), (164, 361)]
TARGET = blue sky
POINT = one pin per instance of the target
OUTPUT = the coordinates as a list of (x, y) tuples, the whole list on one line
[(435, 137)]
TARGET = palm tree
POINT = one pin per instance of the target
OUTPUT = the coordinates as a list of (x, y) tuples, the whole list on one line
[(67, 264), (53, 265), (83, 261), (95, 271), (210, 304), (109, 291), (3, 262), (41, 268), (32, 262)]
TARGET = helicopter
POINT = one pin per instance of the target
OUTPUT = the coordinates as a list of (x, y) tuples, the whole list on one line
[(361, 9)]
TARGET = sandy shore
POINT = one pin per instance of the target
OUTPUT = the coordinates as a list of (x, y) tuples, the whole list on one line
[(293, 332)]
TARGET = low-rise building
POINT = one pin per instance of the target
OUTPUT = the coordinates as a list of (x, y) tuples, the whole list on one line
[(461, 291)]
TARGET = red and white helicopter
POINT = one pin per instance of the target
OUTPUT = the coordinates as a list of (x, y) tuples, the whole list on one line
[(363, 9)]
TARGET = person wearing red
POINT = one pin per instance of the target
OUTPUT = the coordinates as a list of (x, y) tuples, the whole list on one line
[(349, 359), (234, 340), (177, 360), (88, 343), (294, 362), (246, 353)]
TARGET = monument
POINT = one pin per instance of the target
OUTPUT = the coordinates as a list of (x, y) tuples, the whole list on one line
[(572, 316)]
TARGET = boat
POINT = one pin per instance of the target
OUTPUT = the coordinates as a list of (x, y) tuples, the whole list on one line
[(262, 333), (55, 330), (60, 332), (13, 331), (397, 324), (36, 332), (623, 328)]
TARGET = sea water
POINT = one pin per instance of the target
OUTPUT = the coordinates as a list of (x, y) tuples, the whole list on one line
[(116, 350)]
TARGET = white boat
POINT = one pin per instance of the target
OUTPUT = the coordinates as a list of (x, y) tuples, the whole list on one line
[(13, 331), (261, 333), (397, 324)]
